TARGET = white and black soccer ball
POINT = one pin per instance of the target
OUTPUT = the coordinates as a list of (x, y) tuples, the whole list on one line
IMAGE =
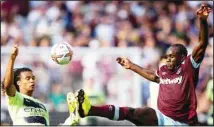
[(61, 53)]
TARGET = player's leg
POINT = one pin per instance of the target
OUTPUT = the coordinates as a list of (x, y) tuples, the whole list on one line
[(138, 116), (141, 116)]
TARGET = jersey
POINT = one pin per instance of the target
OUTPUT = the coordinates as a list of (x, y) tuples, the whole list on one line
[(26, 110), (177, 98)]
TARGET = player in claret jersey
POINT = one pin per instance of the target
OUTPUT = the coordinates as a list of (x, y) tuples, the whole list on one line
[(178, 79)]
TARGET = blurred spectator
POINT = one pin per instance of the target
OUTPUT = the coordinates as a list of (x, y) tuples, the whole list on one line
[(57, 97), (3, 98), (209, 93), (42, 76), (205, 104), (123, 23)]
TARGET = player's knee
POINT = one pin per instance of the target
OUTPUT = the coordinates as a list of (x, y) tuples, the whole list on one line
[(142, 116), (150, 117), (130, 113), (149, 110), (146, 116)]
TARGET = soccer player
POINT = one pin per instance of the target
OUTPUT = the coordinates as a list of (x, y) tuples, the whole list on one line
[(177, 78), (23, 108)]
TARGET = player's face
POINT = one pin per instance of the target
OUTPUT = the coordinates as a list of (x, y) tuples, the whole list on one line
[(27, 81), (172, 58)]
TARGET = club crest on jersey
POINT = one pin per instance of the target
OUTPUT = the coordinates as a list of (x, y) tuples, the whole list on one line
[(163, 73), (167, 81)]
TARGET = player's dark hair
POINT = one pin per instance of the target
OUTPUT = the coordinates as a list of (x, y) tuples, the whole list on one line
[(182, 50), (16, 75)]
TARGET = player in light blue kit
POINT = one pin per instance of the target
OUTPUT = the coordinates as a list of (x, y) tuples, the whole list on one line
[(19, 85)]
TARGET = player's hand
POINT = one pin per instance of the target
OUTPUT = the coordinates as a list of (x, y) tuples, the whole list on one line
[(125, 62), (203, 11), (14, 51)]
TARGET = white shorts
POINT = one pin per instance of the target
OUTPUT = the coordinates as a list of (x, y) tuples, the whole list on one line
[(165, 120)]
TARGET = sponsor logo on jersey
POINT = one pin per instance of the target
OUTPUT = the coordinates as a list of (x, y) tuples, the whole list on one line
[(167, 81), (34, 108), (164, 73), (35, 111)]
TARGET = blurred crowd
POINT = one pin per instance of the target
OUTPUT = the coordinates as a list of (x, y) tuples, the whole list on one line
[(150, 26)]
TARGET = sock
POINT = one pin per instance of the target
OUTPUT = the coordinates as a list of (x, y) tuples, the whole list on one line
[(123, 113), (109, 111)]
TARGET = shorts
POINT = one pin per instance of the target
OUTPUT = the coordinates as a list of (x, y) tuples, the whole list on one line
[(165, 120)]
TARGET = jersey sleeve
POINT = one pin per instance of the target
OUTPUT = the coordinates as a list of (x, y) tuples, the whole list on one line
[(16, 100), (194, 64)]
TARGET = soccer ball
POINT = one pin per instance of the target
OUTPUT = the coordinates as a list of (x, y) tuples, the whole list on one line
[(61, 53)]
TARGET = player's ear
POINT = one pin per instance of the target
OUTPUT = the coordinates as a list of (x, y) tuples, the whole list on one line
[(18, 83)]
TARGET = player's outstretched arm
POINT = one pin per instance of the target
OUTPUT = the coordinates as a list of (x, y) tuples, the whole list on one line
[(8, 81), (199, 50), (148, 74)]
